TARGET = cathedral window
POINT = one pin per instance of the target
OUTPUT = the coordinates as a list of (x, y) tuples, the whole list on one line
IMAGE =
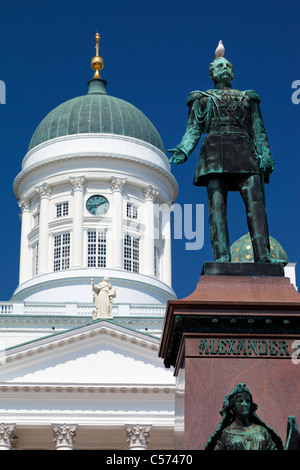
[(61, 251), (132, 211), (156, 261), (36, 219), (62, 209), (131, 253), (35, 259), (96, 249)]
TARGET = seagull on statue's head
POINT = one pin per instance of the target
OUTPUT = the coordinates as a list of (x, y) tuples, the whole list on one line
[(220, 51)]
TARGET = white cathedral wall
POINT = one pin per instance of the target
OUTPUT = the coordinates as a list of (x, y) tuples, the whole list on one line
[(94, 144), (103, 156), (103, 356), (112, 407), (100, 375), (75, 286)]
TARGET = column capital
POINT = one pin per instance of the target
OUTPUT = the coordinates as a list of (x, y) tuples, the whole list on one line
[(167, 205), (117, 184), (138, 436), (64, 436), (78, 183), (44, 190), (24, 204), (150, 193), (7, 433)]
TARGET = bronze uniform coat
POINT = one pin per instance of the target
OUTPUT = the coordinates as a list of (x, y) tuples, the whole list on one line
[(236, 139)]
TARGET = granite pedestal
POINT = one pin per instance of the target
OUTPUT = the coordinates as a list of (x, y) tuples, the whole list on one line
[(239, 325)]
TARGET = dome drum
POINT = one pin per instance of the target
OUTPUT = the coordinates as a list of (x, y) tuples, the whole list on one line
[(58, 207), (74, 286)]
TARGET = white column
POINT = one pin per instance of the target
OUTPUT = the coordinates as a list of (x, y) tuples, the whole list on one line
[(116, 187), (7, 433), (77, 237), (138, 437), (148, 252), (64, 436), (45, 192), (25, 261), (166, 235)]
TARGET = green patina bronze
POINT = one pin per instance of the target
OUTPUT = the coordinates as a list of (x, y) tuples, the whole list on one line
[(240, 427), (242, 252), (96, 113), (235, 156)]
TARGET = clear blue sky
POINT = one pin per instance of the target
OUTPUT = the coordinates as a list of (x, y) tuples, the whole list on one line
[(155, 53)]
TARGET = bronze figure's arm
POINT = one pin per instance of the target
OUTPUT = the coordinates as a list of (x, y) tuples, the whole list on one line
[(192, 135), (260, 139)]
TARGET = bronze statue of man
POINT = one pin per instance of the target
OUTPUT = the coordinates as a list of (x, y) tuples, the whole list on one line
[(235, 156)]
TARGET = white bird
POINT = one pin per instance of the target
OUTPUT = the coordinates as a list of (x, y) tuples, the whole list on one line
[(220, 51)]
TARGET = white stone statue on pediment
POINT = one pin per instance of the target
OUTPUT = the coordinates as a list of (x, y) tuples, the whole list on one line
[(103, 295)]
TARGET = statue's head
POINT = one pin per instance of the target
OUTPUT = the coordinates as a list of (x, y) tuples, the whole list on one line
[(221, 71), (241, 405), (240, 392)]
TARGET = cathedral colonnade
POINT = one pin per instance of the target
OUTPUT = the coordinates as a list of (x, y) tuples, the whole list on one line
[(143, 219)]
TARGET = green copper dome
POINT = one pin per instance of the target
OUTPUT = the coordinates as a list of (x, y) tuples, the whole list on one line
[(98, 113), (242, 251)]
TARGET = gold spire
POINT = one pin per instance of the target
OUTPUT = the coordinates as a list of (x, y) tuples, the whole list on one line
[(97, 62)]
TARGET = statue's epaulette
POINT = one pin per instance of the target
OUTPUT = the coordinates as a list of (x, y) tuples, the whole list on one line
[(194, 95), (253, 95)]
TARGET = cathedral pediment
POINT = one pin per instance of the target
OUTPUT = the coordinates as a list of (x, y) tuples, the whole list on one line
[(99, 377), (101, 353)]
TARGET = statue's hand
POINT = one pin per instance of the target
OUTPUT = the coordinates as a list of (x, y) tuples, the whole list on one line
[(267, 165), (178, 156)]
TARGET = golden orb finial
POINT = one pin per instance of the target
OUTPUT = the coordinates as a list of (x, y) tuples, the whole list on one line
[(97, 63)]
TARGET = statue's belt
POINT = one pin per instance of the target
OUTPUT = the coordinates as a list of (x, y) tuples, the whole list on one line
[(225, 129), (227, 125)]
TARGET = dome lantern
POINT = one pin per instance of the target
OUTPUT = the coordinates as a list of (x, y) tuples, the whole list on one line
[(97, 62), (96, 113)]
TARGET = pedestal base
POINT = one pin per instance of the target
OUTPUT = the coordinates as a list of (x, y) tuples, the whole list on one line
[(242, 269)]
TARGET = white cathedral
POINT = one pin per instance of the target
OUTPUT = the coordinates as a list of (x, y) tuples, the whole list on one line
[(76, 371), (95, 190)]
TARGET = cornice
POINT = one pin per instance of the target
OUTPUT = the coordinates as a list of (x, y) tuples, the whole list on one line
[(110, 389), (89, 155), (33, 319), (146, 325), (90, 136), (24, 173), (56, 341)]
